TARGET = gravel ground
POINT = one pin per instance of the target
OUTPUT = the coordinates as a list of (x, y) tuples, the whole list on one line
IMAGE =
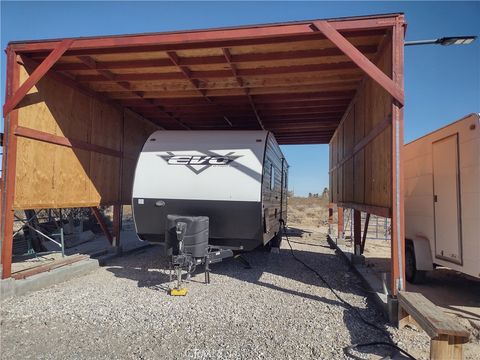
[(275, 310)]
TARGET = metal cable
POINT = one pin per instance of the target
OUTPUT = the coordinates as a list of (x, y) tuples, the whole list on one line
[(349, 306)]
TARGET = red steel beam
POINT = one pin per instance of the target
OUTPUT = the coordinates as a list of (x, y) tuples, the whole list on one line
[(70, 82), (37, 74), (199, 45), (117, 224), (361, 60), (215, 37), (357, 232), (67, 142), (9, 160), (397, 179), (340, 222), (103, 225), (365, 233)]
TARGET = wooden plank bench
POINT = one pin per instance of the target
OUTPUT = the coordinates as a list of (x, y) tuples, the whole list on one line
[(446, 333)]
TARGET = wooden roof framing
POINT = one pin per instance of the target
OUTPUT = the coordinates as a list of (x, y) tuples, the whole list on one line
[(294, 79)]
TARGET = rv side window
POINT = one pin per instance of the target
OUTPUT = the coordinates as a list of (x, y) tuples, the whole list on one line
[(272, 177)]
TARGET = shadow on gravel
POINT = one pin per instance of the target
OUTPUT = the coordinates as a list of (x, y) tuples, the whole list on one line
[(148, 269), (296, 232)]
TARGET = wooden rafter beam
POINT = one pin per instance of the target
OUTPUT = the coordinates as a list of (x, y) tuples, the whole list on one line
[(233, 68), (187, 74), (36, 75), (214, 59), (270, 95), (309, 126), (361, 60), (306, 117), (194, 76), (310, 112), (91, 63)]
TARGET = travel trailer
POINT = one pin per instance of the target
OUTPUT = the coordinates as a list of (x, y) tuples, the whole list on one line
[(238, 179), (442, 200)]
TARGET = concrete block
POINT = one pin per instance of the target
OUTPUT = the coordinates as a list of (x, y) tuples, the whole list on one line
[(358, 259), (392, 309), (11, 287), (340, 240), (7, 288)]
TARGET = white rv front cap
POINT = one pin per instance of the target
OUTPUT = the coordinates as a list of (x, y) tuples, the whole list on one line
[(201, 165)]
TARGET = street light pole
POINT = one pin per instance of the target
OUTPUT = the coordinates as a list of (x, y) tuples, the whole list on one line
[(445, 41)]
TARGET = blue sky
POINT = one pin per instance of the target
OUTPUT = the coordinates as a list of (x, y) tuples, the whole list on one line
[(442, 84)]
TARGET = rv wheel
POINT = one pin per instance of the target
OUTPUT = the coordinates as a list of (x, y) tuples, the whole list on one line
[(412, 275)]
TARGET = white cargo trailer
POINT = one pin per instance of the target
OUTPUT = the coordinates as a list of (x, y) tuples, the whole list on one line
[(442, 200), (236, 178)]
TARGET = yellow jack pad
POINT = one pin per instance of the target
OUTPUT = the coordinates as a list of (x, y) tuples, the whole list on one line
[(178, 292)]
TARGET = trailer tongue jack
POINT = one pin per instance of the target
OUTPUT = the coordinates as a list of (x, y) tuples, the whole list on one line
[(187, 240)]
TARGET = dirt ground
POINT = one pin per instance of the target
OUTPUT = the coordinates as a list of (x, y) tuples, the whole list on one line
[(454, 292), (311, 211)]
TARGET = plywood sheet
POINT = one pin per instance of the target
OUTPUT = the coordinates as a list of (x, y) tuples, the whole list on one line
[(365, 178), (49, 175)]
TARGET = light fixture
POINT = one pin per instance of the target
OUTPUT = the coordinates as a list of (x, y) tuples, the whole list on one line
[(445, 41)]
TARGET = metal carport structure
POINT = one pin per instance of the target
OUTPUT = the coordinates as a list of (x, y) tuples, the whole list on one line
[(78, 110)]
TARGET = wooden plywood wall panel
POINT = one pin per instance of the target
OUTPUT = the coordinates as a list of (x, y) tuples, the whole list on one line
[(127, 180), (136, 129), (35, 185), (70, 178), (54, 108), (349, 177), (364, 173), (105, 175), (50, 175)]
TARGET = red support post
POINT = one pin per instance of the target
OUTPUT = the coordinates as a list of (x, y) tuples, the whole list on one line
[(398, 218), (103, 225), (117, 224), (9, 166), (36, 76), (365, 232), (340, 223), (330, 217), (357, 231)]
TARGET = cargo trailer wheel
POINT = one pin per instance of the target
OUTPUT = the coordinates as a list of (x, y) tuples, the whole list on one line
[(412, 275)]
